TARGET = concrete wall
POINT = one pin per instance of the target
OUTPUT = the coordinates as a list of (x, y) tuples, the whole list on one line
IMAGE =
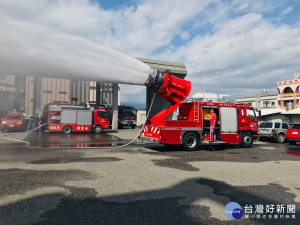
[(29, 96), (50, 90), (295, 118), (141, 117), (80, 92), (278, 116), (7, 93), (289, 118)]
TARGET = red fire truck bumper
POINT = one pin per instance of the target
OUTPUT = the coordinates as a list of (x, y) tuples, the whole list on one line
[(147, 139)]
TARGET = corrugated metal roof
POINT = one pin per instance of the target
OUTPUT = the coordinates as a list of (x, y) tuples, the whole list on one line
[(293, 111), (177, 69), (265, 112)]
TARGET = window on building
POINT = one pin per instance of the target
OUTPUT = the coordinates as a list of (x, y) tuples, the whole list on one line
[(266, 104), (288, 102), (62, 92), (273, 103), (287, 90), (47, 92)]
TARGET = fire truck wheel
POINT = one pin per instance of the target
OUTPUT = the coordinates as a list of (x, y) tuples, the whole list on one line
[(190, 142), (247, 140), (98, 129), (133, 126), (67, 130)]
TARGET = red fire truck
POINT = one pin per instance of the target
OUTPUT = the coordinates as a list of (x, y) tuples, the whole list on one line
[(235, 123), (67, 119), (126, 116)]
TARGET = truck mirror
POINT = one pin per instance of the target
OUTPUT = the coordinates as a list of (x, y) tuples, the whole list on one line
[(259, 113)]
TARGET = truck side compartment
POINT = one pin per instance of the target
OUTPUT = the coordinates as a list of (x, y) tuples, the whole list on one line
[(69, 119)]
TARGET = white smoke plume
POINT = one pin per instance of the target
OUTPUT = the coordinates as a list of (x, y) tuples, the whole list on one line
[(29, 49)]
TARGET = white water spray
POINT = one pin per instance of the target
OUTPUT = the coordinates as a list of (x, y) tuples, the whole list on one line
[(29, 49)]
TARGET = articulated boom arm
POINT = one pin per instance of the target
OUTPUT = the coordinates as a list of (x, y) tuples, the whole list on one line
[(171, 88)]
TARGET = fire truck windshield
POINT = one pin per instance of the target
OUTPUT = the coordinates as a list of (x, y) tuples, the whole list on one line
[(13, 117), (102, 114), (128, 112)]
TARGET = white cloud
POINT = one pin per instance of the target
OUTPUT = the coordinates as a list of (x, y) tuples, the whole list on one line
[(287, 11), (245, 55), (242, 52)]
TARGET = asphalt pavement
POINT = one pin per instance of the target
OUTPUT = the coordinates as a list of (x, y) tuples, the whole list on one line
[(89, 179)]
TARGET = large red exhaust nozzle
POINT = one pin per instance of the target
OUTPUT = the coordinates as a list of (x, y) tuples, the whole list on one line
[(169, 87)]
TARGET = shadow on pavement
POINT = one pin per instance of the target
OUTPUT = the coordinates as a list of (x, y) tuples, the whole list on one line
[(165, 206), (179, 159)]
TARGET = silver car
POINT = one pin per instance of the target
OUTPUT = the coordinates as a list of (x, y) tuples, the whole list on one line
[(273, 130)]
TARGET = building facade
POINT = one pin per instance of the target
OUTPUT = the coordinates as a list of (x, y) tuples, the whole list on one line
[(30, 94), (289, 93), (263, 100), (12, 94)]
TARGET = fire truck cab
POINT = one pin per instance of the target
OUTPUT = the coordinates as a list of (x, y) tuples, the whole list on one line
[(236, 124), (67, 119), (126, 116)]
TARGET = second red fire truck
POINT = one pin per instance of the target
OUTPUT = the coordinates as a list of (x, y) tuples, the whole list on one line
[(67, 119)]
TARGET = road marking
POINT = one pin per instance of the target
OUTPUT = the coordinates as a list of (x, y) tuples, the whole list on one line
[(270, 148)]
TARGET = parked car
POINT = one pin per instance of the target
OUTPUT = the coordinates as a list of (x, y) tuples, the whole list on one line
[(13, 121), (293, 133), (273, 130)]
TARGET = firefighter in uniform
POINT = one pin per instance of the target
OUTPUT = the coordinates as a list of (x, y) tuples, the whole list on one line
[(213, 119)]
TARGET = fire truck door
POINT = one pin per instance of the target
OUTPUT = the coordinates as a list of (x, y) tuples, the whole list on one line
[(229, 123), (84, 117), (68, 117)]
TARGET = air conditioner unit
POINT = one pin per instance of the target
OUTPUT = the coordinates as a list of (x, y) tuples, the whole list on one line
[(105, 89), (110, 85), (109, 89), (104, 84), (104, 100)]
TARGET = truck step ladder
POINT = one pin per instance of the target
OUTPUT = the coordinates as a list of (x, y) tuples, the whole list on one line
[(196, 110), (206, 142)]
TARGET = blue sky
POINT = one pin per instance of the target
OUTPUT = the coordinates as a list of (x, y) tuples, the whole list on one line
[(115, 4), (236, 47)]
